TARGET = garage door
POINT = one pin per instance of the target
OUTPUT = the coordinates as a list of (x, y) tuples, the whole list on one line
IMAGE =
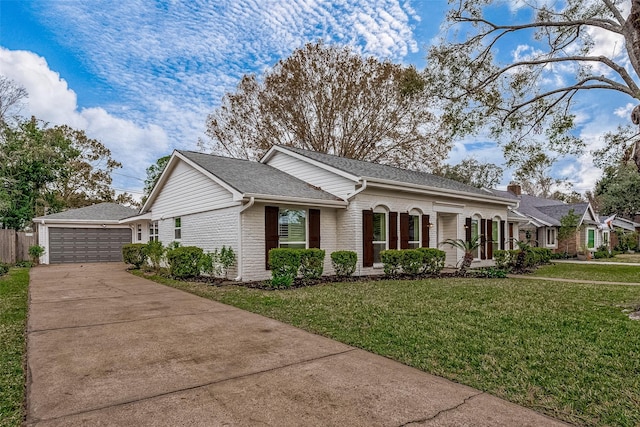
[(87, 244)]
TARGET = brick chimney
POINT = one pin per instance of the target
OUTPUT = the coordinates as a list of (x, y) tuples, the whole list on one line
[(514, 189)]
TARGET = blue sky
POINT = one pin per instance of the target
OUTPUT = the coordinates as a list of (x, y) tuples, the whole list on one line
[(142, 75)]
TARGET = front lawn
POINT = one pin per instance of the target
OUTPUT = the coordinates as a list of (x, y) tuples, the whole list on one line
[(13, 315), (563, 349), (635, 258), (599, 272)]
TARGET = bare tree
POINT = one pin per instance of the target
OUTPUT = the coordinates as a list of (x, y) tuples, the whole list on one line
[(11, 97), (519, 97), (332, 100)]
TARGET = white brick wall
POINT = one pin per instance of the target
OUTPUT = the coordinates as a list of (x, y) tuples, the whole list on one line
[(207, 230), (253, 244)]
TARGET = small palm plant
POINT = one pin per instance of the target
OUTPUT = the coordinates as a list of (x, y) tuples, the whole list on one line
[(469, 247)]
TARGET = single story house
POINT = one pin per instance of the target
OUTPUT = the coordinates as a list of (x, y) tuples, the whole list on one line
[(294, 198), (90, 234), (543, 218), (615, 226)]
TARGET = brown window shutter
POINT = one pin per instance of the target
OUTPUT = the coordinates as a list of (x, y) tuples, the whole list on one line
[(314, 228), (483, 239), (367, 238), (467, 231), (425, 231), (511, 235), (489, 239), (404, 231), (270, 230), (393, 230), (502, 234)]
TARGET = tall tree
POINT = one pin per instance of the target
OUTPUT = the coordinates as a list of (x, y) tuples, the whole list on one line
[(472, 172), (333, 100), (521, 99), (618, 191), (153, 174)]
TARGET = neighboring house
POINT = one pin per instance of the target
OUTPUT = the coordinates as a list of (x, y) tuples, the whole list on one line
[(302, 199), (615, 226), (543, 222), (90, 234)]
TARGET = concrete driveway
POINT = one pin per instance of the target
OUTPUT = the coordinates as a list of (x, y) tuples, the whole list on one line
[(108, 348)]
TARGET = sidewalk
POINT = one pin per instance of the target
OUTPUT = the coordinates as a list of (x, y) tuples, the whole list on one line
[(105, 347)]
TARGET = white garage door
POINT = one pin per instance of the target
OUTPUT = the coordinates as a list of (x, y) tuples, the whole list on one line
[(73, 245)]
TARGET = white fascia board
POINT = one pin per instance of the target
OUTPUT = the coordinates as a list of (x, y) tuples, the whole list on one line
[(267, 198), (435, 191), (273, 149), (78, 221), (143, 217)]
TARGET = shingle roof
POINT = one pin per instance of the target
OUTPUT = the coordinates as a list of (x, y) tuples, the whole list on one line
[(249, 177), (362, 169), (97, 212), (549, 211)]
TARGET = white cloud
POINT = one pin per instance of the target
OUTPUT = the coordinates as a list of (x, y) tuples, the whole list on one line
[(624, 112), (51, 100)]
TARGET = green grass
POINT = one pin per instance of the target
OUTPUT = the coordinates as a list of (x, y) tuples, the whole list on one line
[(563, 349), (635, 258), (13, 316), (599, 272)]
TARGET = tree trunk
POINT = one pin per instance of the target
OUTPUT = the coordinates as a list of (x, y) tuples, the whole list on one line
[(631, 32)]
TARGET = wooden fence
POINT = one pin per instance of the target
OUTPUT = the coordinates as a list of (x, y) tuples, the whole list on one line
[(14, 245)]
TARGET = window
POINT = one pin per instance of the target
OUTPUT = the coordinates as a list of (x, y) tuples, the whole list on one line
[(495, 236), (551, 236), (414, 231), (153, 231), (177, 230), (139, 229), (475, 233), (605, 238), (379, 235), (292, 229), (591, 238)]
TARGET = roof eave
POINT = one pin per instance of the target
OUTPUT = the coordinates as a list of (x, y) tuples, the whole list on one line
[(270, 198), (144, 216), (425, 189), (43, 220)]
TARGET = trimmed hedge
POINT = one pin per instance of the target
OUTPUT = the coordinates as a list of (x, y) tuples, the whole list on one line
[(134, 254), (311, 263), (412, 261), (344, 263), (510, 260), (284, 264), (432, 260), (185, 261)]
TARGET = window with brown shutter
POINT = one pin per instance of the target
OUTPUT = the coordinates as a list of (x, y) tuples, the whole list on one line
[(393, 230), (404, 230), (314, 228), (367, 238), (467, 229), (425, 231), (489, 239), (270, 231)]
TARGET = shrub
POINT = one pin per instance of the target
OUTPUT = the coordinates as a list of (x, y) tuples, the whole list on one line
[(155, 253), (25, 264), (184, 261), (311, 263), (210, 264), (392, 261), (601, 254), (502, 258), (134, 254), (412, 261), (227, 258), (432, 260), (4, 269), (35, 252), (284, 264), (344, 263), (542, 255)]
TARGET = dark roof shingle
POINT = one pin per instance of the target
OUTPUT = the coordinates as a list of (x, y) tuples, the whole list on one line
[(97, 212), (362, 169), (249, 177)]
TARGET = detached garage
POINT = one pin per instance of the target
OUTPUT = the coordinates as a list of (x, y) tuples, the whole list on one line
[(89, 234)]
